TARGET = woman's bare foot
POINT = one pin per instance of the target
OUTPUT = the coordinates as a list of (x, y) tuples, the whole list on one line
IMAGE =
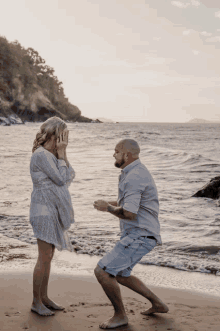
[(51, 304), (40, 309), (114, 322), (160, 308)]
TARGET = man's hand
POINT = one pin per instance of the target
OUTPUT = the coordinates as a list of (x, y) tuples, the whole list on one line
[(119, 212), (101, 205)]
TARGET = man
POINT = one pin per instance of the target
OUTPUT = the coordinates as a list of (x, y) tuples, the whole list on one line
[(137, 208)]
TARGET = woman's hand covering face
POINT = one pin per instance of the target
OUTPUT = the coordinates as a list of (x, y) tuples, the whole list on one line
[(62, 140)]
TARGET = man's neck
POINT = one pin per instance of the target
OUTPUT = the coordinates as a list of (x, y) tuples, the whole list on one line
[(129, 162)]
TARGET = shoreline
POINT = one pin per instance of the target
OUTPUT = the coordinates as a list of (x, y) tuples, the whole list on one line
[(17, 256)]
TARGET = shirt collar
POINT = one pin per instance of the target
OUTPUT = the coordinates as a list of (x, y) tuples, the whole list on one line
[(130, 166)]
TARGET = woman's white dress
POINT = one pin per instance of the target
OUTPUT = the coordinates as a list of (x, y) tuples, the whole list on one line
[(51, 210)]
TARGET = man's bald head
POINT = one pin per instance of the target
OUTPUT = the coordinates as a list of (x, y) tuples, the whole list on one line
[(129, 146)]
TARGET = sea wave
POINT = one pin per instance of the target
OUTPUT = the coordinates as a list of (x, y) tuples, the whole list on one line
[(181, 160)]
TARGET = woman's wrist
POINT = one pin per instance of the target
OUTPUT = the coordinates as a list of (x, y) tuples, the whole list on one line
[(61, 155)]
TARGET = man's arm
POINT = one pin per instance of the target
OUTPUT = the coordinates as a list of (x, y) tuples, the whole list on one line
[(113, 203), (122, 213), (116, 211)]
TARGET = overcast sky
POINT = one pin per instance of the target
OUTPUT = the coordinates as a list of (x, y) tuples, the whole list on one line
[(152, 60)]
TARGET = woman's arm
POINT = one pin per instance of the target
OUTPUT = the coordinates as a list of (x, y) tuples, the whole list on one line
[(62, 143), (56, 171), (66, 160)]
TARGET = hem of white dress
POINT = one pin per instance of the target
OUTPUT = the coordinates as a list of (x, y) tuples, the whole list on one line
[(59, 248)]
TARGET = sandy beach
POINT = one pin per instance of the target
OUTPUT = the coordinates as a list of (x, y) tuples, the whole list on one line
[(86, 305)]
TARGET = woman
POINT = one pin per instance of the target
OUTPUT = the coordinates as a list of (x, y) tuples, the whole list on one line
[(51, 211)]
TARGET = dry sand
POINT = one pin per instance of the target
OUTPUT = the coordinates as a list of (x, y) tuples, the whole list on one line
[(86, 306)]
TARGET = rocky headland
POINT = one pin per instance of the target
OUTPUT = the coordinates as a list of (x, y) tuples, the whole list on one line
[(29, 90)]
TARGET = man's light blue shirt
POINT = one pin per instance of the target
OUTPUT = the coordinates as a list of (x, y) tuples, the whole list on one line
[(137, 193)]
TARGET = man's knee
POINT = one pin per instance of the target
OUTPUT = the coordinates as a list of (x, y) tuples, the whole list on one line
[(122, 280), (101, 274), (98, 271)]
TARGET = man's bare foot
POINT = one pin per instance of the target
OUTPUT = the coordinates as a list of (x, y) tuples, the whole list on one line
[(40, 309), (114, 322), (160, 308), (51, 304)]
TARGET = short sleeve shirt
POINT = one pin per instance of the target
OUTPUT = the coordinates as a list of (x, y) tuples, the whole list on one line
[(137, 193)]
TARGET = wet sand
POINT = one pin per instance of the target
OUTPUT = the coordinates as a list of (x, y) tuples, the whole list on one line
[(86, 306)]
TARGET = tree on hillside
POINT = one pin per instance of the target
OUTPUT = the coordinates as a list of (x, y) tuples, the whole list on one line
[(27, 66)]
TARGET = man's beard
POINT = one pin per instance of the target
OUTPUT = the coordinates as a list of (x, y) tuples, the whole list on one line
[(119, 164)]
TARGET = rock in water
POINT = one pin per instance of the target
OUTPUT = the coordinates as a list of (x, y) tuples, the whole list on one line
[(210, 190)]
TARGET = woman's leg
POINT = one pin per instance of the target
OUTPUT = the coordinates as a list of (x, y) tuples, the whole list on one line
[(41, 276), (44, 287), (45, 281)]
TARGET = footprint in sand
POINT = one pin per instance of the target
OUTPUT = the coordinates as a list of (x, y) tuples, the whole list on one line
[(70, 310), (91, 315), (131, 311), (77, 304), (102, 304), (9, 314)]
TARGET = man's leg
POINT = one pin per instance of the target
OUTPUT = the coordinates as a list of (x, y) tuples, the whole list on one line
[(139, 287), (112, 290)]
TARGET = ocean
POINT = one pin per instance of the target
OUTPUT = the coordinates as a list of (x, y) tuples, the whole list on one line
[(181, 158)]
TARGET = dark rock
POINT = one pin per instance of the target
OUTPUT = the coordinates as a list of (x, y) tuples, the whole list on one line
[(210, 190), (7, 116), (83, 119), (77, 248), (96, 121)]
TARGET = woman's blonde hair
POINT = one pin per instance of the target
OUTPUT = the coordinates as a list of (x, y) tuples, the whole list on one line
[(52, 126)]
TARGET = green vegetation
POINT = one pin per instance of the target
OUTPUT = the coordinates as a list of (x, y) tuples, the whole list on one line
[(29, 87)]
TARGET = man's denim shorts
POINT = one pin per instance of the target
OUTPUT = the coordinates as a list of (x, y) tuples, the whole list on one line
[(133, 245)]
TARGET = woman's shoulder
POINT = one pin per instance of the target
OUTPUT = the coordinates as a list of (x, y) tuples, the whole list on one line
[(42, 153), (39, 151)]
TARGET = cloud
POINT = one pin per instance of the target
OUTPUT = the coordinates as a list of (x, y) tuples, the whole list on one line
[(195, 52), (206, 34), (187, 32), (195, 3), (180, 4), (210, 3), (213, 39), (217, 14), (156, 60)]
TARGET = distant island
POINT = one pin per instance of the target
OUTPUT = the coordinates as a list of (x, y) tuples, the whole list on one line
[(29, 89), (200, 120), (105, 120)]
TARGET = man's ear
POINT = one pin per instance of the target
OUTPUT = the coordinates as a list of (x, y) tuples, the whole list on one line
[(128, 154)]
